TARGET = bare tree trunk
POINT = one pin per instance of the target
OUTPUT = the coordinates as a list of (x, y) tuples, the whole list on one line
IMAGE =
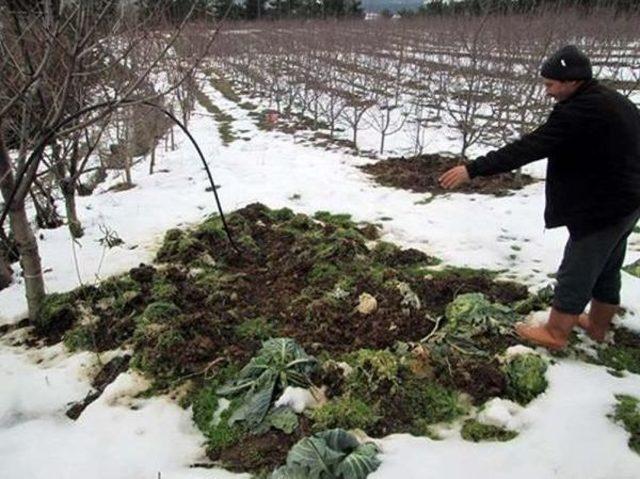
[(42, 216), (5, 272), (68, 192), (25, 239), (68, 188), (128, 147), (152, 163)]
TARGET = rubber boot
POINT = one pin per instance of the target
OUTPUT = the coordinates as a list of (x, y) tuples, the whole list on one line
[(552, 335), (598, 321)]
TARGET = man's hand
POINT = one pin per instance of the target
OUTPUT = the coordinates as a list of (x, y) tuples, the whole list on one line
[(454, 177)]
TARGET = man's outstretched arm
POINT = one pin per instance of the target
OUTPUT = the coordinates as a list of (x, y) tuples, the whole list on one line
[(536, 145)]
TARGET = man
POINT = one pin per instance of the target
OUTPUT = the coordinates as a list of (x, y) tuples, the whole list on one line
[(592, 142)]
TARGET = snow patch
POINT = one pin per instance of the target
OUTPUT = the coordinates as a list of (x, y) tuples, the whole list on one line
[(297, 399), (502, 413)]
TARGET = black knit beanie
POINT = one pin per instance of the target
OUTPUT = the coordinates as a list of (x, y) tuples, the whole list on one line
[(567, 64)]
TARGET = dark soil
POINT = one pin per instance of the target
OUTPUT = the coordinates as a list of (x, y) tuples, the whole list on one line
[(259, 453), (193, 312), (480, 379), (626, 338), (276, 277), (106, 376), (439, 289), (7, 328), (420, 174), (61, 321)]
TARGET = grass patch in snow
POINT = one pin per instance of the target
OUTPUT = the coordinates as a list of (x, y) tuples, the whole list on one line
[(624, 353), (223, 86), (224, 120), (212, 421), (55, 309), (633, 269), (475, 431), (620, 358), (627, 413)]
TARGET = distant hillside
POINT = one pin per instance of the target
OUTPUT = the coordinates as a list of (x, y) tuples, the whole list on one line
[(391, 5)]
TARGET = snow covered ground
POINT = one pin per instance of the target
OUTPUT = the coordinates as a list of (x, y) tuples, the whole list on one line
[(564, 433)]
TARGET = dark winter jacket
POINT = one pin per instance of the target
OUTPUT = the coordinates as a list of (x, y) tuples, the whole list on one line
[(592, 141)]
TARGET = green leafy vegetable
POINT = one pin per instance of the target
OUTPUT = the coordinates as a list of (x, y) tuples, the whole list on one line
[(472, 314), (283, 418), (281, 362), (526, 377), (330, 454)]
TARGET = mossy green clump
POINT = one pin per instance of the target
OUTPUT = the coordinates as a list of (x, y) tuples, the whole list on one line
[(248, 244), (209, 279), (213, 422), (173, 234), (526, 377), (156, 349), (80, 338), (535, 302), (428, 402), (374, 372), (338, 220), (255, 328), (475, 431), (422, 428), (212, 229), (385, 382), (323, 274), (315, 308), (383, 251), (179, 247), (56, 309), (160, 339), (117, 286), (627, 413), (345, 412), (621, 358), (342, 246), (463, 273), (125, 303), (160, 312), (163, 291), (350, 234), (301, 222), (281, 215)]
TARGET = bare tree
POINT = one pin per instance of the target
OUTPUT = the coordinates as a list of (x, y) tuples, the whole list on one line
[(332, 102), (466, 92), (49, 53)]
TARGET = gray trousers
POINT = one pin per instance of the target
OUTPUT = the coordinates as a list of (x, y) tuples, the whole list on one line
[(591, 267)]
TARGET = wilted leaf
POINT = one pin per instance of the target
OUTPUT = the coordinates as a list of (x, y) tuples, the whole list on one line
[(360, 463)]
